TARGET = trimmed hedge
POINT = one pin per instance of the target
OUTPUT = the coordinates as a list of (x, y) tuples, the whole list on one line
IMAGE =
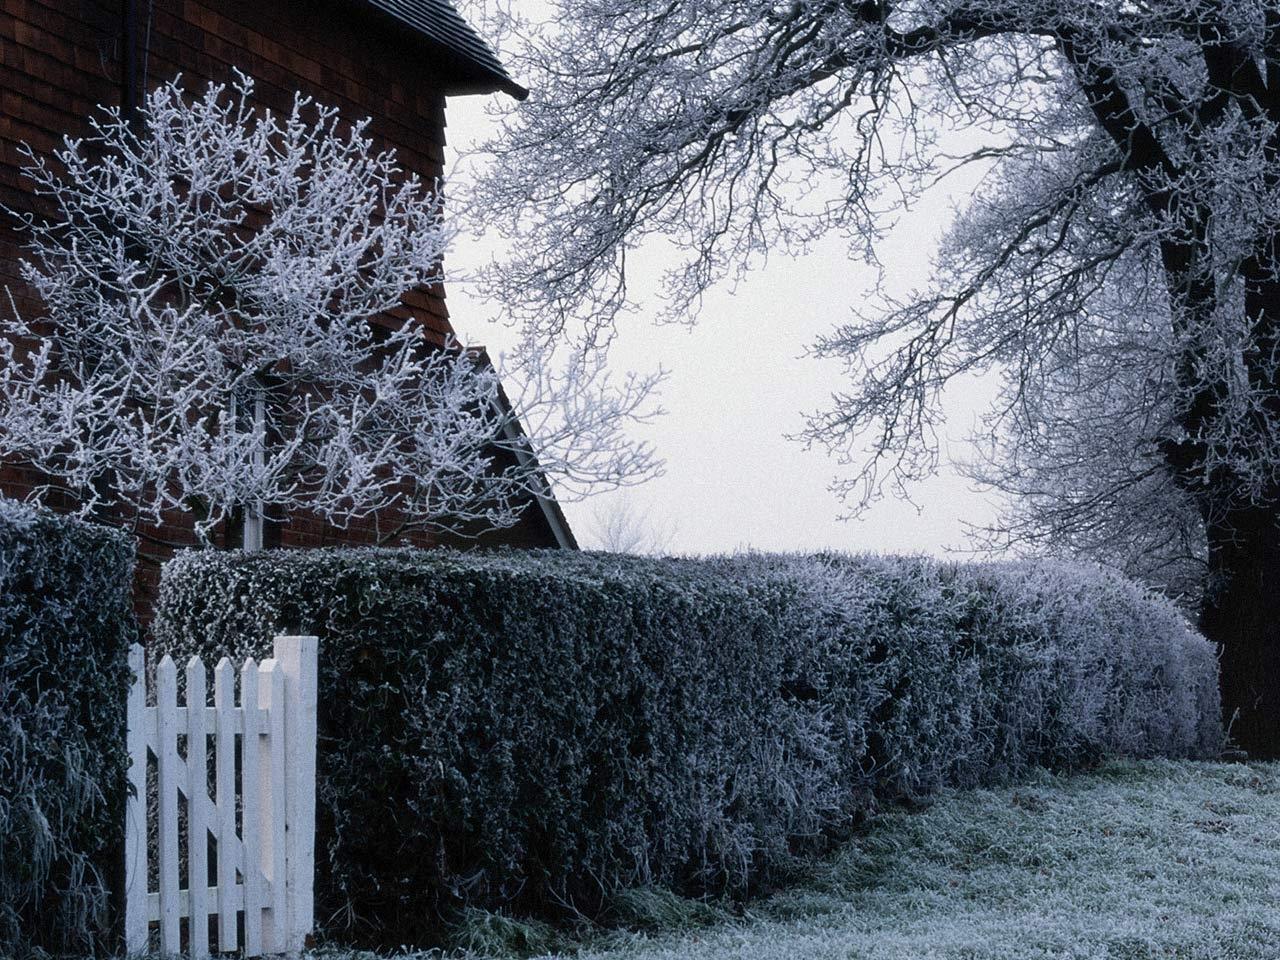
[(66, 622), (534, 730)]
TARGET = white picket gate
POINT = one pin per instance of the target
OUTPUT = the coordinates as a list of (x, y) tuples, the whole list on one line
[(263, 866)]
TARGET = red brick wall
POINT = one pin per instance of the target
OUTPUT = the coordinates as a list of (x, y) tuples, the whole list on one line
[(59, 59)]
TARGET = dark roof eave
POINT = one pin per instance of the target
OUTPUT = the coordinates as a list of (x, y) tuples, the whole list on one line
[(522, 447), (486, 84), (475, 68)]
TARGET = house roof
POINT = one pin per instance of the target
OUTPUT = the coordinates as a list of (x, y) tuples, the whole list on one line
[(523, 449), (441, 24)]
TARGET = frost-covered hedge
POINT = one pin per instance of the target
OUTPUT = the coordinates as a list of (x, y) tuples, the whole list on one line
[(532, 730), (66, 620)]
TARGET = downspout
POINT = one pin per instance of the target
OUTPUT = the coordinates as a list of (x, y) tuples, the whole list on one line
[(129, 72)]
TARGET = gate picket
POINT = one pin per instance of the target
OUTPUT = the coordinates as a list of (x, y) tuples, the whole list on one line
[(197, 811), (274, 934), (225, 765), (169, 772), (252, 798)]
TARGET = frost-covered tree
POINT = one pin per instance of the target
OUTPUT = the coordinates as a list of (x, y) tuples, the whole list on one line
[(1126, 139), (216, 339), (622, 526), (1077, 457)]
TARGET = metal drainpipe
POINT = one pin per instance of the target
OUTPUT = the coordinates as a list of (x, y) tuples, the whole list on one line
[(129, 73)]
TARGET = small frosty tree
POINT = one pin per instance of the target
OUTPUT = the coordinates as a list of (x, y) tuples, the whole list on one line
[(214, 277)]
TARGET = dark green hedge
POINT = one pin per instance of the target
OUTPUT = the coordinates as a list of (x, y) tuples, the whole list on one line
[(66, 621), (533, 730)]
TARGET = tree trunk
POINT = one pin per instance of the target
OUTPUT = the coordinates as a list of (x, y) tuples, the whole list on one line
[(1241, 613)]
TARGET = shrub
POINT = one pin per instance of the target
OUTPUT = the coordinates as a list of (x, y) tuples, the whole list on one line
[(66, 621), (532, 731), (994, 668)]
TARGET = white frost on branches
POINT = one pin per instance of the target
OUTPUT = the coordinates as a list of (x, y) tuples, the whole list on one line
[(623, 526), (1123, 139), (213, 275)]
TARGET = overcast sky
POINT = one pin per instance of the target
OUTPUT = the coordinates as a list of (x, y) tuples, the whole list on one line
[(740, 383)]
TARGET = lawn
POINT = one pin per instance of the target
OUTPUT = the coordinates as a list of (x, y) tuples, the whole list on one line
[(1134, 860)]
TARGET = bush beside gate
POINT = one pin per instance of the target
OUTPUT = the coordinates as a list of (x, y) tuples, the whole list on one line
[(533, 730), (66, 621)]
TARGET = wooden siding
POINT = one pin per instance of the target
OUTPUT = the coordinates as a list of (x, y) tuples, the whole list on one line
[(58, 60)]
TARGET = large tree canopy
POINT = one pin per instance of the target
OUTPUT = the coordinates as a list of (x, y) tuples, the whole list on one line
[(1122, 253)]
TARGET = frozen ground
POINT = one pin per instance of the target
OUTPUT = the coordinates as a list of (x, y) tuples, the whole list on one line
[(1136, 861)]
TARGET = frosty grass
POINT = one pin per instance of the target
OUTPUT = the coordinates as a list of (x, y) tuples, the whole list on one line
[(1136, 860)]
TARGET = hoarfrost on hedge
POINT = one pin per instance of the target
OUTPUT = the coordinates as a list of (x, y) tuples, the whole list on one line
[(544, 728), (66, 620)]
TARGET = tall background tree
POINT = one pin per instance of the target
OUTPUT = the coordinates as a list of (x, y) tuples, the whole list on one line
[(213, 275), (1123, 251)]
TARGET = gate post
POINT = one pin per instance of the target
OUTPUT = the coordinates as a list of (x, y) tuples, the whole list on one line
[(297, 659)]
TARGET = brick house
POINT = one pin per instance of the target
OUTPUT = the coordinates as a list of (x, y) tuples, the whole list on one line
[(395, 61)]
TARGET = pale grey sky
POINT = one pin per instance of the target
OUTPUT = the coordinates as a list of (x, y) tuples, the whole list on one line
[(739, 384)]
